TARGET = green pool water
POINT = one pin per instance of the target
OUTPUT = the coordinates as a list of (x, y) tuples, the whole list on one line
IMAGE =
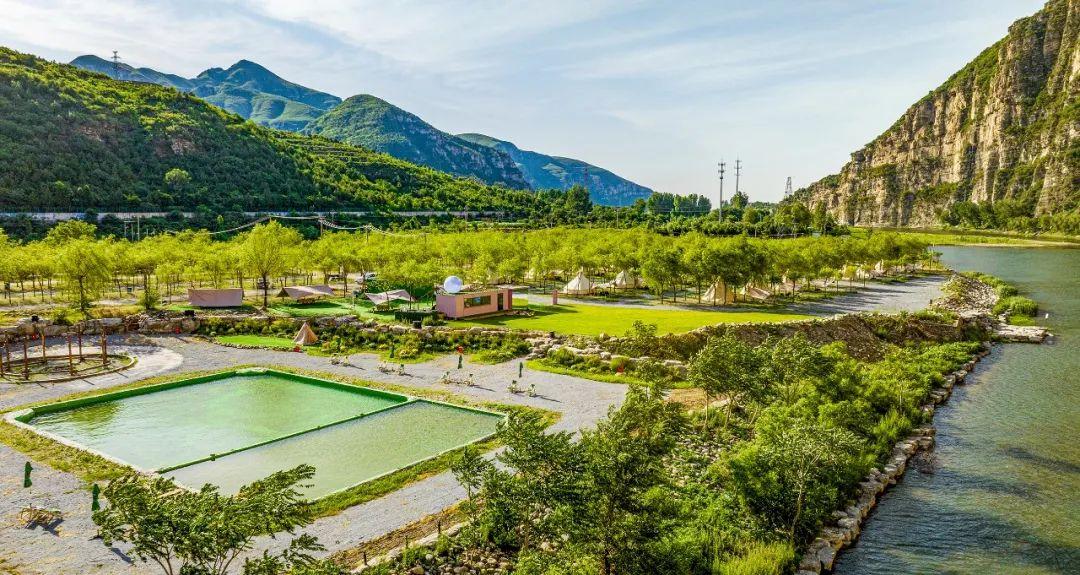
[(173, 426), (352, 452)]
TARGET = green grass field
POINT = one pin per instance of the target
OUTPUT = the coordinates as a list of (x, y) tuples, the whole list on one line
[(584, 319), (257, 340)]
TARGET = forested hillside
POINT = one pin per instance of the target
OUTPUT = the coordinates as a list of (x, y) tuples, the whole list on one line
[(244, 88), (72, 140), (995, 146), (254, 92), (368, 121), (542, 172)]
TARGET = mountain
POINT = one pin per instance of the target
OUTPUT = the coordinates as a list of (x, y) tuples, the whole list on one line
[(553, 172), (73, 140), (376, 124), (256, 93), (245, 88), (121, 71), (1001, 135)]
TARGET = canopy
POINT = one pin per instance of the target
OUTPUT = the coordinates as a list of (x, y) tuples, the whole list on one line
[(306, 336), (757, 293), (626, 279), (388, 296), (580, 285), (717, 294), (306, 293), (233, 297)]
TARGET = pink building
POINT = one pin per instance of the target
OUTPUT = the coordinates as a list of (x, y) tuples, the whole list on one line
[(475, 302)]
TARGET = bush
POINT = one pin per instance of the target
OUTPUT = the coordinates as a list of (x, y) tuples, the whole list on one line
[(760, 559), (1016, 305)]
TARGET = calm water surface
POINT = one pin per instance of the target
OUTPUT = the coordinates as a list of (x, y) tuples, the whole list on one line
[(1004, 494)]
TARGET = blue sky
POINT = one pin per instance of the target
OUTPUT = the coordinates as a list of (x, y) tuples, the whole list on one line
[(657, 92)]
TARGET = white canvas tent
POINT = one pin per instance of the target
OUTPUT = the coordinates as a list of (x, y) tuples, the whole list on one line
[(718, 295), (580, 285), (233, 297), (626, 280), (306, 336), (306, 293)]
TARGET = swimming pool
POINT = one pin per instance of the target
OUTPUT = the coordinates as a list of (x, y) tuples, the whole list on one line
[(234, 427)]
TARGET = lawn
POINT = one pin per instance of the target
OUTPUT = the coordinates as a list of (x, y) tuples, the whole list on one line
[(583, 319), (257, 341), (327, 307)]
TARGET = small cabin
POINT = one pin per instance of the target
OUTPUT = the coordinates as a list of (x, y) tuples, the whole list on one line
[(499, 299)]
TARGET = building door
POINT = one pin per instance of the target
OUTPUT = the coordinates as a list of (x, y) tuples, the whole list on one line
[(500, 300)]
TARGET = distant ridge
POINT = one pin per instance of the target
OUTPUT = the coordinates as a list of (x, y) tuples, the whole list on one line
[(254, 92), (554, 172)]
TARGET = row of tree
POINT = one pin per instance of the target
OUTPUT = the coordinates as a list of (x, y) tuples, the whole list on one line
[(272, 253)]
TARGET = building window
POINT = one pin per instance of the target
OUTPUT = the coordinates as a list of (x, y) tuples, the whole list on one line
[(480, 300)]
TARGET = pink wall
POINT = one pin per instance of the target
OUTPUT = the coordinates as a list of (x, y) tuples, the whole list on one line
[(453, 305)]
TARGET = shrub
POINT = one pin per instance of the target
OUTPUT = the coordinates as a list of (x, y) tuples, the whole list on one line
[(760, 559), (1016, 305)]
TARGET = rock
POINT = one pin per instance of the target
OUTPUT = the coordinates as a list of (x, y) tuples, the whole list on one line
[(417, 570)]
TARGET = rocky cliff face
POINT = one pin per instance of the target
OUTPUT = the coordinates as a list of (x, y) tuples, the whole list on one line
[(1006, 127)]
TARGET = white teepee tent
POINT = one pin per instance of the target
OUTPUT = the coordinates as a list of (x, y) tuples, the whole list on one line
[(626, 280), (580, 285), (718, 295)]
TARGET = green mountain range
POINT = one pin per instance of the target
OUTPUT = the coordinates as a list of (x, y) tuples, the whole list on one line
[(544, 172), (378, 125), (254, 92), (73, 140), (245, 88)]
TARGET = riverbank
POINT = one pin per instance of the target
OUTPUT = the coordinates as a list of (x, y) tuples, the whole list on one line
[(847, 523), (997, 494)]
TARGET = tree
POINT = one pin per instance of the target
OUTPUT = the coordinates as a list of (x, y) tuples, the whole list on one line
[(622, 510), (793, 466), (527, 498), (265, 252), (203, 532), (727, 367), (85, 269)]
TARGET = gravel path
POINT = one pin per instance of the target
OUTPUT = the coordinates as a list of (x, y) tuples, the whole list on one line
[(71, 550), (911, 295)]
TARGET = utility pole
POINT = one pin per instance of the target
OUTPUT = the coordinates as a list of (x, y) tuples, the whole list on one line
[(116, 64), (720, 206)]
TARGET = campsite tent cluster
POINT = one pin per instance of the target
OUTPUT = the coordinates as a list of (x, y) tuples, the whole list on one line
[(582, 285)]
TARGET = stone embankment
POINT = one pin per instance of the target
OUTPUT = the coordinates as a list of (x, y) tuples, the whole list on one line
[(846, 523)]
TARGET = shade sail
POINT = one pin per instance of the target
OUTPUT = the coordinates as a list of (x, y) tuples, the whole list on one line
[(306, 292), (389, 296), (233, 297)]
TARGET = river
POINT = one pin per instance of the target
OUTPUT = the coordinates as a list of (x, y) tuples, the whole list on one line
[(1003, 495)]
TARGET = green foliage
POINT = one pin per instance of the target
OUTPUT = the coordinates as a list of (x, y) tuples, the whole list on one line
[(203, 532), (74, 140), (375, 124), (1016, 305), (760, 559)]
